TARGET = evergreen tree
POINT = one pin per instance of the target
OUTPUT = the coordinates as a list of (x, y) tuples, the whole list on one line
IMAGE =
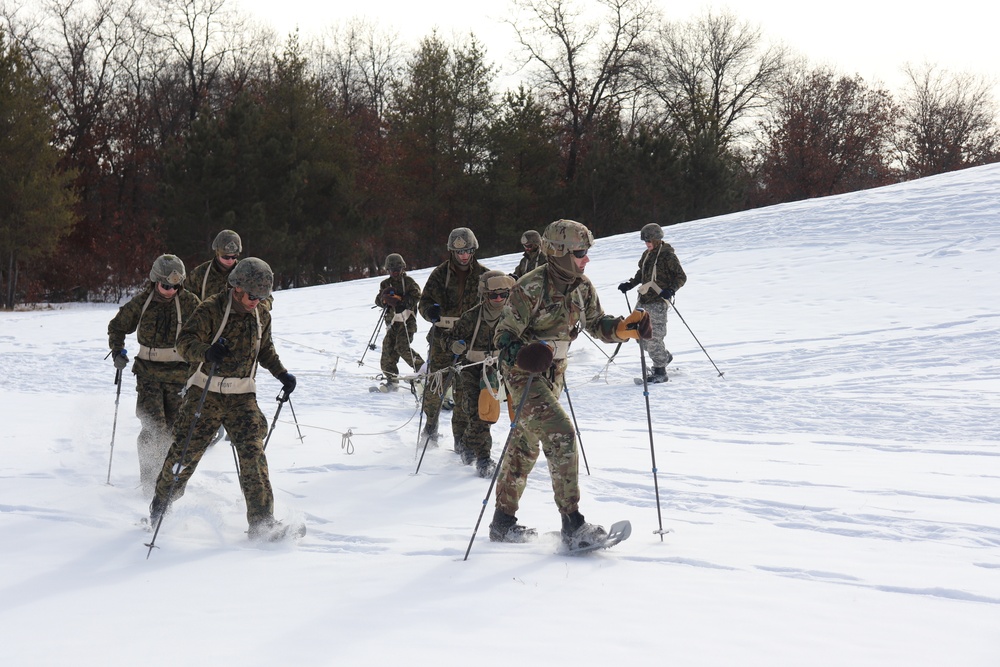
[(35, 198)]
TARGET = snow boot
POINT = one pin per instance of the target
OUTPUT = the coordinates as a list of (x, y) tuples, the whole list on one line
[(577, 533), (157, 509), (485, 466), (504, 528), (267, 529), (430, 437), (658, 375), (467, 455)]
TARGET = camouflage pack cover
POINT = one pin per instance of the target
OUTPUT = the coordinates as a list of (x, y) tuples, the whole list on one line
[(394, 262), (564, 236), (494, 280), (227, 242), (651, 232), (167, 269), (462, 238), (531, 237), (254, 276)]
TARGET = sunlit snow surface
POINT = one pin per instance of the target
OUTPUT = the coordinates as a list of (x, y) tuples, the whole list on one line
[(834, 499)]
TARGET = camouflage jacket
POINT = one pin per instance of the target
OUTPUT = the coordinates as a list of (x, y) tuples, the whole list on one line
[(443, 287), (536, 312), (465, 327), (404, 286), (240, 333), (207, 279), (662, 262), (529, 262), (155, 328)]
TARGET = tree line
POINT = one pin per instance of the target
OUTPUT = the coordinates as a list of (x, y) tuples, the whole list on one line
[(131, 128)]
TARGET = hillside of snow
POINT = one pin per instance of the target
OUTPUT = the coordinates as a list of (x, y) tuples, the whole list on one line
[(833, 499)]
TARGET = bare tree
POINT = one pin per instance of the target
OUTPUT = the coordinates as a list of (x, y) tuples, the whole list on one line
[(214, 45), (73, 44), (711, 75), (583, 67), (360, 62), (949, 122)]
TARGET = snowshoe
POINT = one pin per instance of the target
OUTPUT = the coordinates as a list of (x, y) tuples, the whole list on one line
[(271, 530), (658, 376), (578, 534), (504, 528)]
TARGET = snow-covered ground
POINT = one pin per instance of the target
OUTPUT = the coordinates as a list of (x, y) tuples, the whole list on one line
[(834, 499)]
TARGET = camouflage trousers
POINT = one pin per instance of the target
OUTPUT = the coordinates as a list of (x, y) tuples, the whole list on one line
[(441, 357), (157, 405), (477, 435), (247, 427), (655, 347), (542, 421), (396, 346)]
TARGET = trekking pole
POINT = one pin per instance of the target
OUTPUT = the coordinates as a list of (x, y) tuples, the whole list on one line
[(371, 341), (652, 451), (281, 398), (423, 397), (721, 375), (178, 467), (579, 438), (503, 452), (296, 420), (114, 425), (598, 346)]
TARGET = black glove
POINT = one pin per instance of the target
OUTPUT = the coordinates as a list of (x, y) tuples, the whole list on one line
[(120, 358), (217, 352), (287, 381), (434, 313), (626, 286), (535, 357), (667, 293)]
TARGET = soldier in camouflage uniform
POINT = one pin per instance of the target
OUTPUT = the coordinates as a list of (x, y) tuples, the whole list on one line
[(472, 340), (398, 295), (659, 277), (211, 277), (451, 289), (547, 310), (156, 314), (531, 241), (230, 331)]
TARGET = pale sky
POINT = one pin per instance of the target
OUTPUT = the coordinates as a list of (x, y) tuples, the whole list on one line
[(873, 38)]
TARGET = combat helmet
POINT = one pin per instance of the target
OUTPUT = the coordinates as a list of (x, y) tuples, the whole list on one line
[(394, 262), (493, 281), (462, 238), (651, 232), (253, 276), (227, 242), (564, 236), (531, 237), (167, 269)]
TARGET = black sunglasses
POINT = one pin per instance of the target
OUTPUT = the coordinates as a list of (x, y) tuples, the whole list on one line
[(167, 287), (253, 297), (579, 254), (229, 257), (529, 247), (501, 294)]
